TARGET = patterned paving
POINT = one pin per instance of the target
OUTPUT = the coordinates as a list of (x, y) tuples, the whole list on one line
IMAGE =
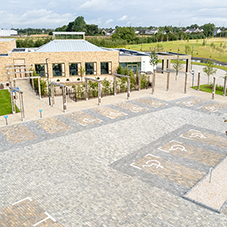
[(194, 153), (151, 102), (84, 118), (170, 170), (205, 138), (25, 213), (52, 125), (17, 133), (132, 107), (214, 107), (190, 102), (109, 112)]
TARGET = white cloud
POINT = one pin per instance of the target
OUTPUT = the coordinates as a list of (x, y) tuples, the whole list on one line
[(123, 18), (109, 21), (94, 5)]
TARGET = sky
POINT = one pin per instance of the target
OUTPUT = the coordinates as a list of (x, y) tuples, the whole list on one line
[(111, 13)]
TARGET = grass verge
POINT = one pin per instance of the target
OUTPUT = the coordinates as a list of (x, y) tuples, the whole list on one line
[(208, 88), (5, 103)]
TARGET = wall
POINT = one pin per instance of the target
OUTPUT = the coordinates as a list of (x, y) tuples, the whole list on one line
[(6, 46)]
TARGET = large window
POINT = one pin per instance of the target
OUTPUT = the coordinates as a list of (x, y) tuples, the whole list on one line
[(73, 69), (89, 67), (57, 69), (104, 67), (40, 69)]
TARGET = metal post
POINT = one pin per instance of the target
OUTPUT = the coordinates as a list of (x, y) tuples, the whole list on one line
[(214, 88), (52, 95), (185, 85), (192, 78), (198, 82), (139, 80), (48, 84), (6, 117), (128, 83), (224, 90), (22, 107), (86, 91), (40, 113), (12, 101), (153, 76), (64, 98), (99, 94), (115, 85), (167, 86)]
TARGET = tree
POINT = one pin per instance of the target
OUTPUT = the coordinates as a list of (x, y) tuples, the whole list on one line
[(177, 65), (92, 29), (82, 71), (208, 29), (153, 59), (209, 70), (79, 25), (187, 49), (125, 33)]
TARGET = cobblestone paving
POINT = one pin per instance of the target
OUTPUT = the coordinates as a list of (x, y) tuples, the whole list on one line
[(83, 118), (132, 107), (52, 125), (109, 112), (194, 153), (17, 133), (214, 107), (82, 174), (205, 138), (190, 101)]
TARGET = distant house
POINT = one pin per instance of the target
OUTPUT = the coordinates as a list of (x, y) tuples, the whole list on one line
[(6, 33), (108, 32), (217, 31), (194, 30), (151, 31), (137, 32)]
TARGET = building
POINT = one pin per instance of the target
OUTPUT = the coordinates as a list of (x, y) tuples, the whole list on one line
[(61, 59), (6, 33)]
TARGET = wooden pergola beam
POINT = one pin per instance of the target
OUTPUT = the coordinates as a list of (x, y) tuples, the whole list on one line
[(128, 83)]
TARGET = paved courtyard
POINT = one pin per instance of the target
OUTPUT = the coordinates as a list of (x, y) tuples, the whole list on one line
[(125, 163)]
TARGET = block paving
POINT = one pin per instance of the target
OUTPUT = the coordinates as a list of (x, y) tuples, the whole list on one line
[(132, 107), (151, 102), (190, 101), (109, 112)]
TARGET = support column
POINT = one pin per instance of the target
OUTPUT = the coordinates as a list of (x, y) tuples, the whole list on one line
[(12, 101), (187, 69), (185, 84), (128, 83), (86, 91), (214, 88), (22, 107), (99, 94), (14, 85), (39, 88), (224, 90), (163, 64), (198, 82), (115, 85), (153, 79), (33, 87), (154, 76), (139, 81), (64, 98), (52, 94), (167, 86)]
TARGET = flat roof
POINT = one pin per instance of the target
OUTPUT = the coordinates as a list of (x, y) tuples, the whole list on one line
[(69, 46)]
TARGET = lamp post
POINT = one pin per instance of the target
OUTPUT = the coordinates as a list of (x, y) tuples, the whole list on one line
[(48, 82), (192, 55)]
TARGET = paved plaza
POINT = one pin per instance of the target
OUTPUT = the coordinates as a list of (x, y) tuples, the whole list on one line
[(141, 162)]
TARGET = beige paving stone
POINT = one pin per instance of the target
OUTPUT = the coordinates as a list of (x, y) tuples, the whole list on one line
[(130, 106), (49, 223), (212, 193), (194, 153), (52, 125), (109, 112), (206, 138), (151, 102), (191, 102), (17, 133), (214, 107), (169, 170), (84, 118)]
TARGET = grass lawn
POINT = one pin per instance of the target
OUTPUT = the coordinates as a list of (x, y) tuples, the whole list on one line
[(218, 53), (209, 89), (5, 103)]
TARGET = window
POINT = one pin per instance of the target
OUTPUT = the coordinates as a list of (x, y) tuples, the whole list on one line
[(104, 68), (57, 69), (89, 67), (73, 69), (40, 69)]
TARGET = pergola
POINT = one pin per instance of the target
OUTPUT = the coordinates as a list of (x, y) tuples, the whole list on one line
[(149, 73), (13, 89), (115, 83)]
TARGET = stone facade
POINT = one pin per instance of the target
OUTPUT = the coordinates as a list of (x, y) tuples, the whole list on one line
[(7, 45)]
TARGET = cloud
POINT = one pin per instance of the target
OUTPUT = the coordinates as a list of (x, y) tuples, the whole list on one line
[(109, 21), (123, 18), (94, 5)]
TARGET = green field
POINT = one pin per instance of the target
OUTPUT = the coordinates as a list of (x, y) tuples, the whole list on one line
[(5, 103), (218, 53)]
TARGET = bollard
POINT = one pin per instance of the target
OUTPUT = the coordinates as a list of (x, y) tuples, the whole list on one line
[(40, 113), (6, 117)]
